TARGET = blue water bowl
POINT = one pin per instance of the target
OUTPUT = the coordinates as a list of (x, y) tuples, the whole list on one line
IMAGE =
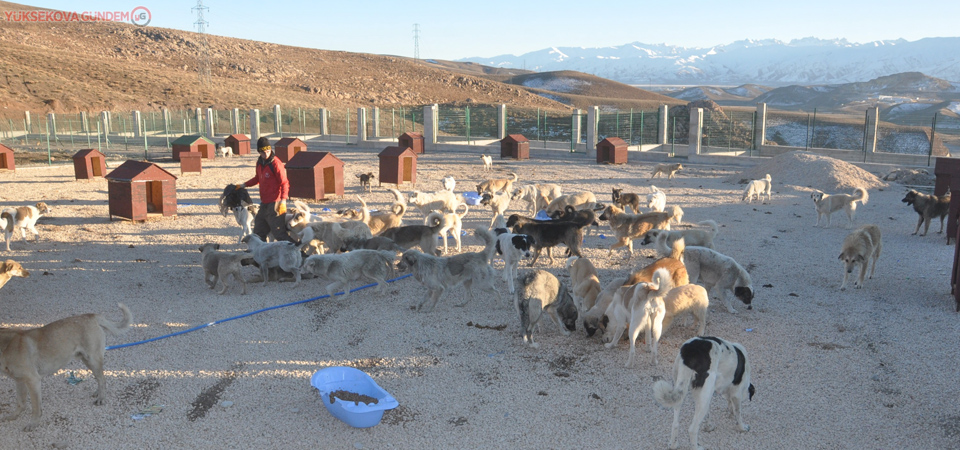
[(542, 215), (357, 415), (472, 198)]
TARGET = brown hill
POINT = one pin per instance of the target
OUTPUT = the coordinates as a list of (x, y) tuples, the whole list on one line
[(70, 67)]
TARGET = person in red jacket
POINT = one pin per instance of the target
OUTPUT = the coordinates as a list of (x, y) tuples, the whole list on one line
[(274, 190)]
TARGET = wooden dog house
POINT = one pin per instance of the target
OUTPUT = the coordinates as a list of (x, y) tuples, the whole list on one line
[(138, 190), (398, 165), (190, 162), (412, 140), (287, 148), (612, 150), (6, 158), (947, 172), (515, 146), (315, 175), (89, 164), (240, 144), (193, 143)]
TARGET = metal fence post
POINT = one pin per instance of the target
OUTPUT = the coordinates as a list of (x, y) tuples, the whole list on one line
[(813, 130), (933, 136), (49, 158), (467, 117)]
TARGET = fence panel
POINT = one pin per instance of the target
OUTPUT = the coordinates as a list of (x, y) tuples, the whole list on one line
[(900, 130), (451, 123), (397, 120), (729, 129)]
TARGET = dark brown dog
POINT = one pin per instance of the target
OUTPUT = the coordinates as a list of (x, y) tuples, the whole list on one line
[(365, 181), (928, 207), (624, 200)]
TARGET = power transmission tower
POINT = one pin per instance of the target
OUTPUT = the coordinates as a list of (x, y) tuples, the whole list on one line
[(203, 54), (416, 41)]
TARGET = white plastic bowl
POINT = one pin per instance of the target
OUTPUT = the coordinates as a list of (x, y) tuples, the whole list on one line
[(357, 415)]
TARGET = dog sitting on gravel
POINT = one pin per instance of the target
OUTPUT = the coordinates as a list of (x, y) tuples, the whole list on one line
[(28, 355), (542, 293), (706, 365), (928, 207)]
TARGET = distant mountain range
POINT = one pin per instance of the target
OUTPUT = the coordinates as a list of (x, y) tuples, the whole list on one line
[(770, 62)]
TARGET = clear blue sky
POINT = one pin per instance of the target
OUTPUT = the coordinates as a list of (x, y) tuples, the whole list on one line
[(453, 29)]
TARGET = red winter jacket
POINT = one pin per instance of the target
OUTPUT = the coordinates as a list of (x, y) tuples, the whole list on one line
[(272, 178)]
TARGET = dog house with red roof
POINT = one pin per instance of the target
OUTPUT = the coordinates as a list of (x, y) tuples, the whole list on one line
[(6, 158), (612, 150), (89, 164), (140, 190), (412, 140), (398, 165), (515, 146), (287, 148), (193, 143), (315, 175), (240, 144)]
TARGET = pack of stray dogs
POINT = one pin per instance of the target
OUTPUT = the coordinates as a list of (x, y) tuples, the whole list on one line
[(357, 246)]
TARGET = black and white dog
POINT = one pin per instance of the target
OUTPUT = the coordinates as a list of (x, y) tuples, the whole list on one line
[(513, 247), (706, 365), (232, 198)]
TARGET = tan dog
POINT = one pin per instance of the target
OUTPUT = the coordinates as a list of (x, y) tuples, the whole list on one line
[(654, 306), (861, 246), (580, 200), (451, 222), (10, 269), (498, 185), (585, 282), (23, 218), (218, 265), (827, 204), (627, 227), (27, 355), (669, 169)]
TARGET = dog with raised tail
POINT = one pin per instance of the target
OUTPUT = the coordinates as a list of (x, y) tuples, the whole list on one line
[(28, 355), (23, 218), (657, 303), (706, 365), (827, 204)]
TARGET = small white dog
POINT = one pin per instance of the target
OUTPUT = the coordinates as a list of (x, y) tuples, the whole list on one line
[(225, 150), (656, 199), (487, 162), (23, 218), (244, 217), (862, 246), (756, 188), (706, 365), (827, 204), (448, 183)]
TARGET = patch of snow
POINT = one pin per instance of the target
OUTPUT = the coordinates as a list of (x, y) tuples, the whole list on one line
[(556, 84), (954, 106)]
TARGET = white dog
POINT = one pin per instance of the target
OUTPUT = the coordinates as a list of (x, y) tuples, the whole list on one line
[(702, 237), (827, 204), (756, 188), (676, 213), (448, 183), (372, 265), (487, 162), (656, 199), (270, 255), (862, 246), (529, 194), (654, 306), (225, 150), (715, 270), (426, 202), (706, 365), (23, 218), (244, 217)]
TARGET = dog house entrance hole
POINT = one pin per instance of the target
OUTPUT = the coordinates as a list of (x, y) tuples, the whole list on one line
[(95, 163), (329, 179), (297, 150), (154, 197), (3, 161), (407, 169)]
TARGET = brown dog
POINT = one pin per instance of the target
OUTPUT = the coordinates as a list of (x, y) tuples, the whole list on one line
[(498, 185), (27, 355), (627, 227), (10, 269), (928, 207), (669, 169)]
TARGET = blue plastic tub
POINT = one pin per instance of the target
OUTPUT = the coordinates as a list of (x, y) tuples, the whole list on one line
[(542, 215), (472, 198), (359, 415)]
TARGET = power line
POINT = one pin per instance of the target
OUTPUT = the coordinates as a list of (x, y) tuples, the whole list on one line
[(416, 41), (203, 54)]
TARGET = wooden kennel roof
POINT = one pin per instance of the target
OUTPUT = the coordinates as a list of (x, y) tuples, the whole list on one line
[(139, 171)]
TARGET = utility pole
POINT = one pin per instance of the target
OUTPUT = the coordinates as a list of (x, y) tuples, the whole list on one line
[(416, 41), (203, 55)]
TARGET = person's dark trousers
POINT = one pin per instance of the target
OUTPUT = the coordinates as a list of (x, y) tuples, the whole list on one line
[(268, 222)]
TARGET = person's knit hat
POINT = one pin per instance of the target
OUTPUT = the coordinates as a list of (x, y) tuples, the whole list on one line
[(263, 143)]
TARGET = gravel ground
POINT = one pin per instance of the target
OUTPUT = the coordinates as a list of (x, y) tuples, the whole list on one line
[(867, 368)]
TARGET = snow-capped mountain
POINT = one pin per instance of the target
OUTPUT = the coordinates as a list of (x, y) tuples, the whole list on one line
[(801, 61)]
